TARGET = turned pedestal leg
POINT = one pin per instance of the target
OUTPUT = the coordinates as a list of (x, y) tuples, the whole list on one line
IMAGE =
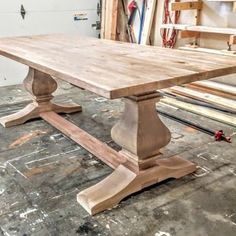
[(40, 86), (141, 134)]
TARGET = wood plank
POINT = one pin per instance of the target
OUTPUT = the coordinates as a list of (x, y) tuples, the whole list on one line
[(90, 143), (122, 22), (189, 34), (234, 7), (180, 6), (198, 15), (109, 16), (203, 111), (114, 69), (200, 28), (215, 88), (206, 97), (114, 10), (209, 50), (232, 39), (103, 19), (151, 6), (221, 0)]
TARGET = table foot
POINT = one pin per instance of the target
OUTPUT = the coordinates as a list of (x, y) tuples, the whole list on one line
[(123, 182), (33, 111), (29, 112), (40, 86)]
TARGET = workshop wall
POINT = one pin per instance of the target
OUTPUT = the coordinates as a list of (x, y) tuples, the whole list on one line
[(31, 17), (215, 14)]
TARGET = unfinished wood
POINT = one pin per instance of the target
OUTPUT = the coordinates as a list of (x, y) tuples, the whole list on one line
[(215, 88), (234, 7), (122, 22), (114, 69), (203, 111), (141, 145), (211, 91), (200, 28), (141, 142), (109, 18), (114, 10), (103, 20), (221, 0), (149, 14), (40, 86), (232, 39), (94, 146), (147, 134), (123, 182), (198, 15), (206, 97), (189, 34), (208, 50), (29, 112), (180, 6)]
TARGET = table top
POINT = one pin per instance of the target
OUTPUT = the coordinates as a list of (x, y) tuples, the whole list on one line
[(114, 69)]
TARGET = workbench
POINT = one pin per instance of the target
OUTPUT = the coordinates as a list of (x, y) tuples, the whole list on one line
[(112, 70)]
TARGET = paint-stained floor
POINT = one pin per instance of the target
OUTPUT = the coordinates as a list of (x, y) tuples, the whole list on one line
[(41, 171)]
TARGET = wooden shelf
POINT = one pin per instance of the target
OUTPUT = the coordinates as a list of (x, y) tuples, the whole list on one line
[(221, 0), (208, 50), (180, 6), (200, 28)]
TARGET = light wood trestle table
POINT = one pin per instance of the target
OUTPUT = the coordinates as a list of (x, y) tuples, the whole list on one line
[(112, 70)]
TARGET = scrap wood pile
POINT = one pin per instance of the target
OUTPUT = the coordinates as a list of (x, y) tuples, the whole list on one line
[(134, 21), (210, 99), (114, 20), (128, 20)]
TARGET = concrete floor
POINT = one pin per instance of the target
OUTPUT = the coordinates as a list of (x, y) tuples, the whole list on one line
[(41, 171)]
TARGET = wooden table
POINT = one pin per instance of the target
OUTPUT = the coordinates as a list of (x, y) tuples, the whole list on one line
[(112, 70)]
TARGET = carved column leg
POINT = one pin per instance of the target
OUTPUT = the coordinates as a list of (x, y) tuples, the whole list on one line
[(40, 86), (141, 134)]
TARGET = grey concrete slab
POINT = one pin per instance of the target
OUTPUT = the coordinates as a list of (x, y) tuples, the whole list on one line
[(41, 171)]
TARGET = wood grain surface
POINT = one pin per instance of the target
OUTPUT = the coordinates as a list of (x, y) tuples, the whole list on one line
[(114, 69)]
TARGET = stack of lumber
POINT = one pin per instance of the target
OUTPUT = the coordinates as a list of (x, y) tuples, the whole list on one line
[(214, 100), (114, 20), (109, 19)]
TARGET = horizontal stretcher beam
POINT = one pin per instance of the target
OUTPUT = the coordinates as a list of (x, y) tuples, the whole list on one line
[(87, 141)]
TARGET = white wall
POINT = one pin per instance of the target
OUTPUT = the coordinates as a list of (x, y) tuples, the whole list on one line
[(42, 17)]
